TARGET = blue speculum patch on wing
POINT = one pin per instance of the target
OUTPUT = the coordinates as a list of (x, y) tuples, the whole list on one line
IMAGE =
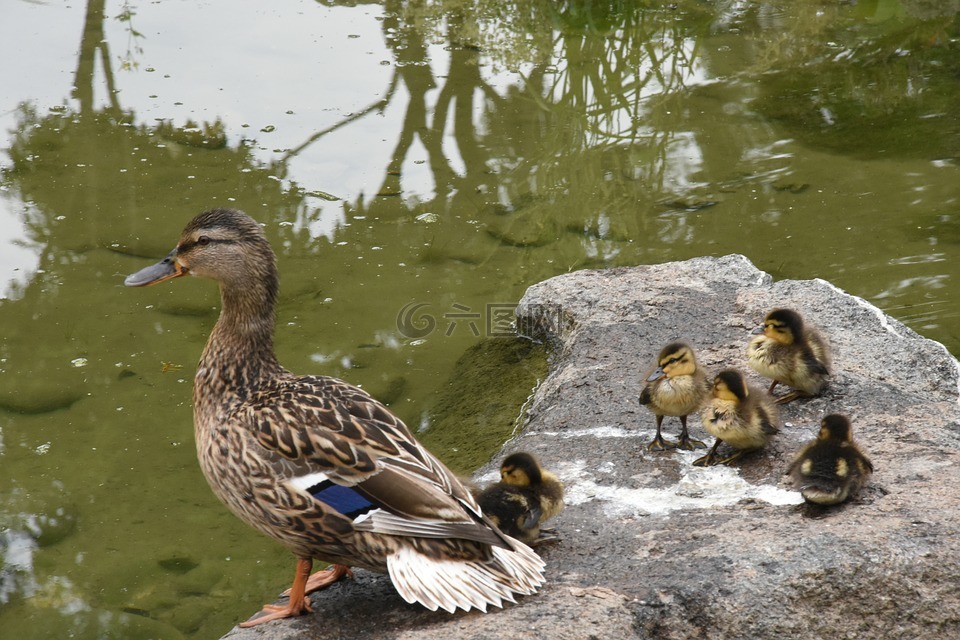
[(345, 500)]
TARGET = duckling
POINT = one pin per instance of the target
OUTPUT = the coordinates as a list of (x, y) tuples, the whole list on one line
[(526, 496), (739, 414), (831, 468), (676, 386), (792, 352)]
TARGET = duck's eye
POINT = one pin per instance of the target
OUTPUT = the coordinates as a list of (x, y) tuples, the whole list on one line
[(203, 241)]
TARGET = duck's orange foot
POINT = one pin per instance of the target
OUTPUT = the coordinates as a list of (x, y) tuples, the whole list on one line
[(276, 612), (324, 578), (299, 602)]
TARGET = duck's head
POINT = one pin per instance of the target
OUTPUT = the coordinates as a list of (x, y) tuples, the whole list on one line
[(835, 428), (520, 470), (730, 385), (782, 325), (223, 244), (675, 359)]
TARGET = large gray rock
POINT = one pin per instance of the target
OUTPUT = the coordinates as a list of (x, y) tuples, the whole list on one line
[(653, 547)]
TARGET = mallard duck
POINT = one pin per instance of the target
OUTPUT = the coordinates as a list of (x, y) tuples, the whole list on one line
[(831, 468), (675, 386), (792, 352), (320, 465), (526, 496), (738, 414)]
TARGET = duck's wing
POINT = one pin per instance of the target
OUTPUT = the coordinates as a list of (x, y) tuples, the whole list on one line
[(646, 395), (767, 420), (820, 348), (859, 461), (343, 447), (815, 357), (512, 508), (795, 466)]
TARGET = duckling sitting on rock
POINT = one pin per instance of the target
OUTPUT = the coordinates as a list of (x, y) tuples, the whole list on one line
[(738, 414), (676, 386), (526, 496), (792, 352), (831, 468)]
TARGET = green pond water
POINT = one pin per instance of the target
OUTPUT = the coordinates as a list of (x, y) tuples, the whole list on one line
[(417, 165)]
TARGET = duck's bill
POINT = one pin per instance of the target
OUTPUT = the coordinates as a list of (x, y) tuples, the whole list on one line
[(656, 375), (164, 270)]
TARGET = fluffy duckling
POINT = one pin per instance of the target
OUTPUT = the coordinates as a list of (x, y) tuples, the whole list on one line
[(676, 386), (831, 468), (792, 352), (738, 414), (526, 496)]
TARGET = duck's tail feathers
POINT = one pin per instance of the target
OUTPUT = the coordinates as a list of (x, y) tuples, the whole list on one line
[(453, 584)]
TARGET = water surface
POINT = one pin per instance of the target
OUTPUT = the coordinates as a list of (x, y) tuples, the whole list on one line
[(412, 162)]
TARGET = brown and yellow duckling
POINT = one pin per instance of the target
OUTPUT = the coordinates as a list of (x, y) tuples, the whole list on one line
[(831, 468), (526, 496), (318, 464), (738, 414), (791, 352), (676, 386)]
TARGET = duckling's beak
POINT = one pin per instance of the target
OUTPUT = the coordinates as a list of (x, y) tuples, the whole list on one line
[(757, 330), (656, 375), (164, 270)]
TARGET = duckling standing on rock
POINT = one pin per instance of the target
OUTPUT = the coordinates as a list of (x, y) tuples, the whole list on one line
[(792, 352), (738, 414), (317, 463), (831, 468), (676, 386), (526, 496)]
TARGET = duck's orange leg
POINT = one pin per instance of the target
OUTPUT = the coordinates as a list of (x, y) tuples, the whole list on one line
[(299, 603), (324, 578)]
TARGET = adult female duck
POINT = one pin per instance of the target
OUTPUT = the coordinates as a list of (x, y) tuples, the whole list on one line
[(317, 463)]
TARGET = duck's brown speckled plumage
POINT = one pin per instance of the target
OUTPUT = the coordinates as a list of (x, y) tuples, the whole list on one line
[(264, 435)]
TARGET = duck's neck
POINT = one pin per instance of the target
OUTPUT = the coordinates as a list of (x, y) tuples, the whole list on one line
[(239, 353)]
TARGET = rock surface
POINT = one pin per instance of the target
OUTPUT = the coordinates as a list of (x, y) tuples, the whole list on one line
[(653, 547)]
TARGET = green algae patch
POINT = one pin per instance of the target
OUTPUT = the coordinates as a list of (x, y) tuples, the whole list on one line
[(482, 403)]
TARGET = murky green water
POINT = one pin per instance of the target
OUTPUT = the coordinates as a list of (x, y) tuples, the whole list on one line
[(440, 154)]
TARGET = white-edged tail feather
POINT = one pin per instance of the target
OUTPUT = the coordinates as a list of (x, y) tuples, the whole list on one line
[(453, 584)]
